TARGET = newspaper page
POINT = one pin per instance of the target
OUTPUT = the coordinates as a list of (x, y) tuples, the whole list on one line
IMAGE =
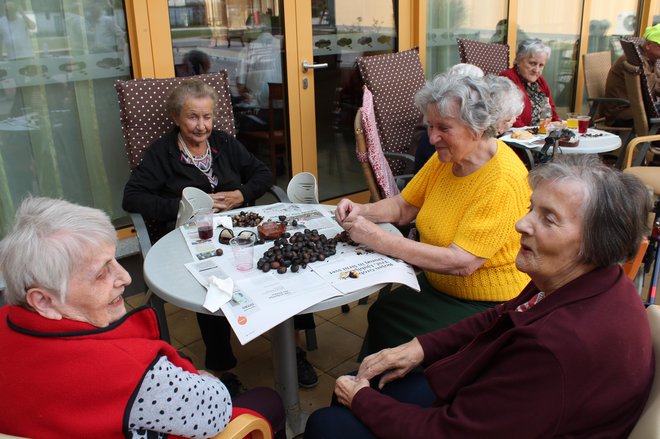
[(263, 300)]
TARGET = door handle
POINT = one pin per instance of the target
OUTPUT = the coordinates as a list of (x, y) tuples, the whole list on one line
[(307, 66)]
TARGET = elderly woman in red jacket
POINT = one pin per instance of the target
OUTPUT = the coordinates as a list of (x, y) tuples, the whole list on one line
[(526, 72), (74, 363), (541, 365)]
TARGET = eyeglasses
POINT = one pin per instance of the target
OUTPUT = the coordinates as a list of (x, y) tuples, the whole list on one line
[(227, 234)]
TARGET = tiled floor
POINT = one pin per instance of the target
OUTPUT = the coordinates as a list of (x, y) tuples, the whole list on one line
[(339, 338)]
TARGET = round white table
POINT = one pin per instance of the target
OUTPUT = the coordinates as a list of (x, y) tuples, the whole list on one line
[(166, 276), (596, 141)]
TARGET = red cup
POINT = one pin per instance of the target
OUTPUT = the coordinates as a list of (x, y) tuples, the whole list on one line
[(583, 124)]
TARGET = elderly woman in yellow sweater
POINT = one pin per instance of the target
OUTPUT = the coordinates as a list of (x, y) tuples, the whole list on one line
[(465, 205)]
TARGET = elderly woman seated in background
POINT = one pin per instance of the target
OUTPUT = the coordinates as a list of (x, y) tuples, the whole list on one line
[(526, 72), (509, 98), (73, 362), (571, 356), (195, 154), (465, 204)]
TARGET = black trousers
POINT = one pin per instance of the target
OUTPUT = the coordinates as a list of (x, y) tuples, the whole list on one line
[(216, 333)]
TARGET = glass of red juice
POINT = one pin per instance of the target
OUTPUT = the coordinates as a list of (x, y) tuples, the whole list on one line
[(204, 222), (583, 124)]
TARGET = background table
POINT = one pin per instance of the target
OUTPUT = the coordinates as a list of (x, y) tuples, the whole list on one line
[(166, 276), (588, 145)]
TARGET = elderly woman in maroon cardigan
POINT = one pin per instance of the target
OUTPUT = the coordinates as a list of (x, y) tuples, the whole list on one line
[(571, 356), (526, 72)]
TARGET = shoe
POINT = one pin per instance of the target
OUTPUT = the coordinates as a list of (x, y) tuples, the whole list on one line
[(307, 377), (233, 384)]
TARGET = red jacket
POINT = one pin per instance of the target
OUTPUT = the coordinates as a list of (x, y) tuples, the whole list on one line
[(62, 378), (579, 364), (525, 118)]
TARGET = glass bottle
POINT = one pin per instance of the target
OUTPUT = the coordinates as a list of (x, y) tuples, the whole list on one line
[(546, 116)]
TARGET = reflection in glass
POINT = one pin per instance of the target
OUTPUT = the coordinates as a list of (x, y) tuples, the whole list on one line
[(246, 39), (59, 126), (610, 21), (559, 31), (342, 31), (447, 20)]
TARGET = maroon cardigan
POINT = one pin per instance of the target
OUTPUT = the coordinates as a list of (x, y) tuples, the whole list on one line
[(525, 118), (579, 364)]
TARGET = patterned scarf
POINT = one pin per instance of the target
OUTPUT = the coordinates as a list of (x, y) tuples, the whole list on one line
[(536, 97)]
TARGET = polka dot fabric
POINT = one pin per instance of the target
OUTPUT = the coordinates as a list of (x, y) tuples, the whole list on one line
[(393, 79), (172, 401), (491, 58), (142, 110)]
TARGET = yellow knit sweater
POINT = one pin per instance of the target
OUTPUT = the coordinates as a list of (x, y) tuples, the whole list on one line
[(477, 213)]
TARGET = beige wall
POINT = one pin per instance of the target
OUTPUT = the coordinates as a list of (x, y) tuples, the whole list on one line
[(370, 10)]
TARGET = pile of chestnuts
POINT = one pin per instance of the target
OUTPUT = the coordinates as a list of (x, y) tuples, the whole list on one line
[(293, 252)]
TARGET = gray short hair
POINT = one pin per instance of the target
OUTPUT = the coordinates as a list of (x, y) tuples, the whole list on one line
[(615, 209), (507, 96), (49, 240), (190, 88), (530, 47), (476, 108)]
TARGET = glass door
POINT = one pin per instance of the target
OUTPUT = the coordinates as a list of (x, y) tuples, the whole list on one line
[(330, 89), (245, 38)]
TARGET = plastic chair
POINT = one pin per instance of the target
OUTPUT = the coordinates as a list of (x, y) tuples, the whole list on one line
[(648, 424), (489, 57), (303, 189), (192, 200), (394, 79)]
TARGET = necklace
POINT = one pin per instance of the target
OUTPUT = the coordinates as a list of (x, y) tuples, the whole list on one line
[(202, 163)]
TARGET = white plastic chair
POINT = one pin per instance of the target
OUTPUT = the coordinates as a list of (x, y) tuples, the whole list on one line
[(192, 200), (303, 189)]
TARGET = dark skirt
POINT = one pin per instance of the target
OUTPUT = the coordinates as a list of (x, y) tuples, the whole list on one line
[(402, 314)]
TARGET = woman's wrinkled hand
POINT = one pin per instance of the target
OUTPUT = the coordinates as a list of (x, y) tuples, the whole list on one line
[(346, 212), (365, 232), (227, 200), (393, 363), (347, 386)]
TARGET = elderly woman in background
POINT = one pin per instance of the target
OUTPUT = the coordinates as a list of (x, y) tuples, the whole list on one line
[(526, 72), (509, 98), (465, 204), (74, 363), (195, 154), (545, 364)]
